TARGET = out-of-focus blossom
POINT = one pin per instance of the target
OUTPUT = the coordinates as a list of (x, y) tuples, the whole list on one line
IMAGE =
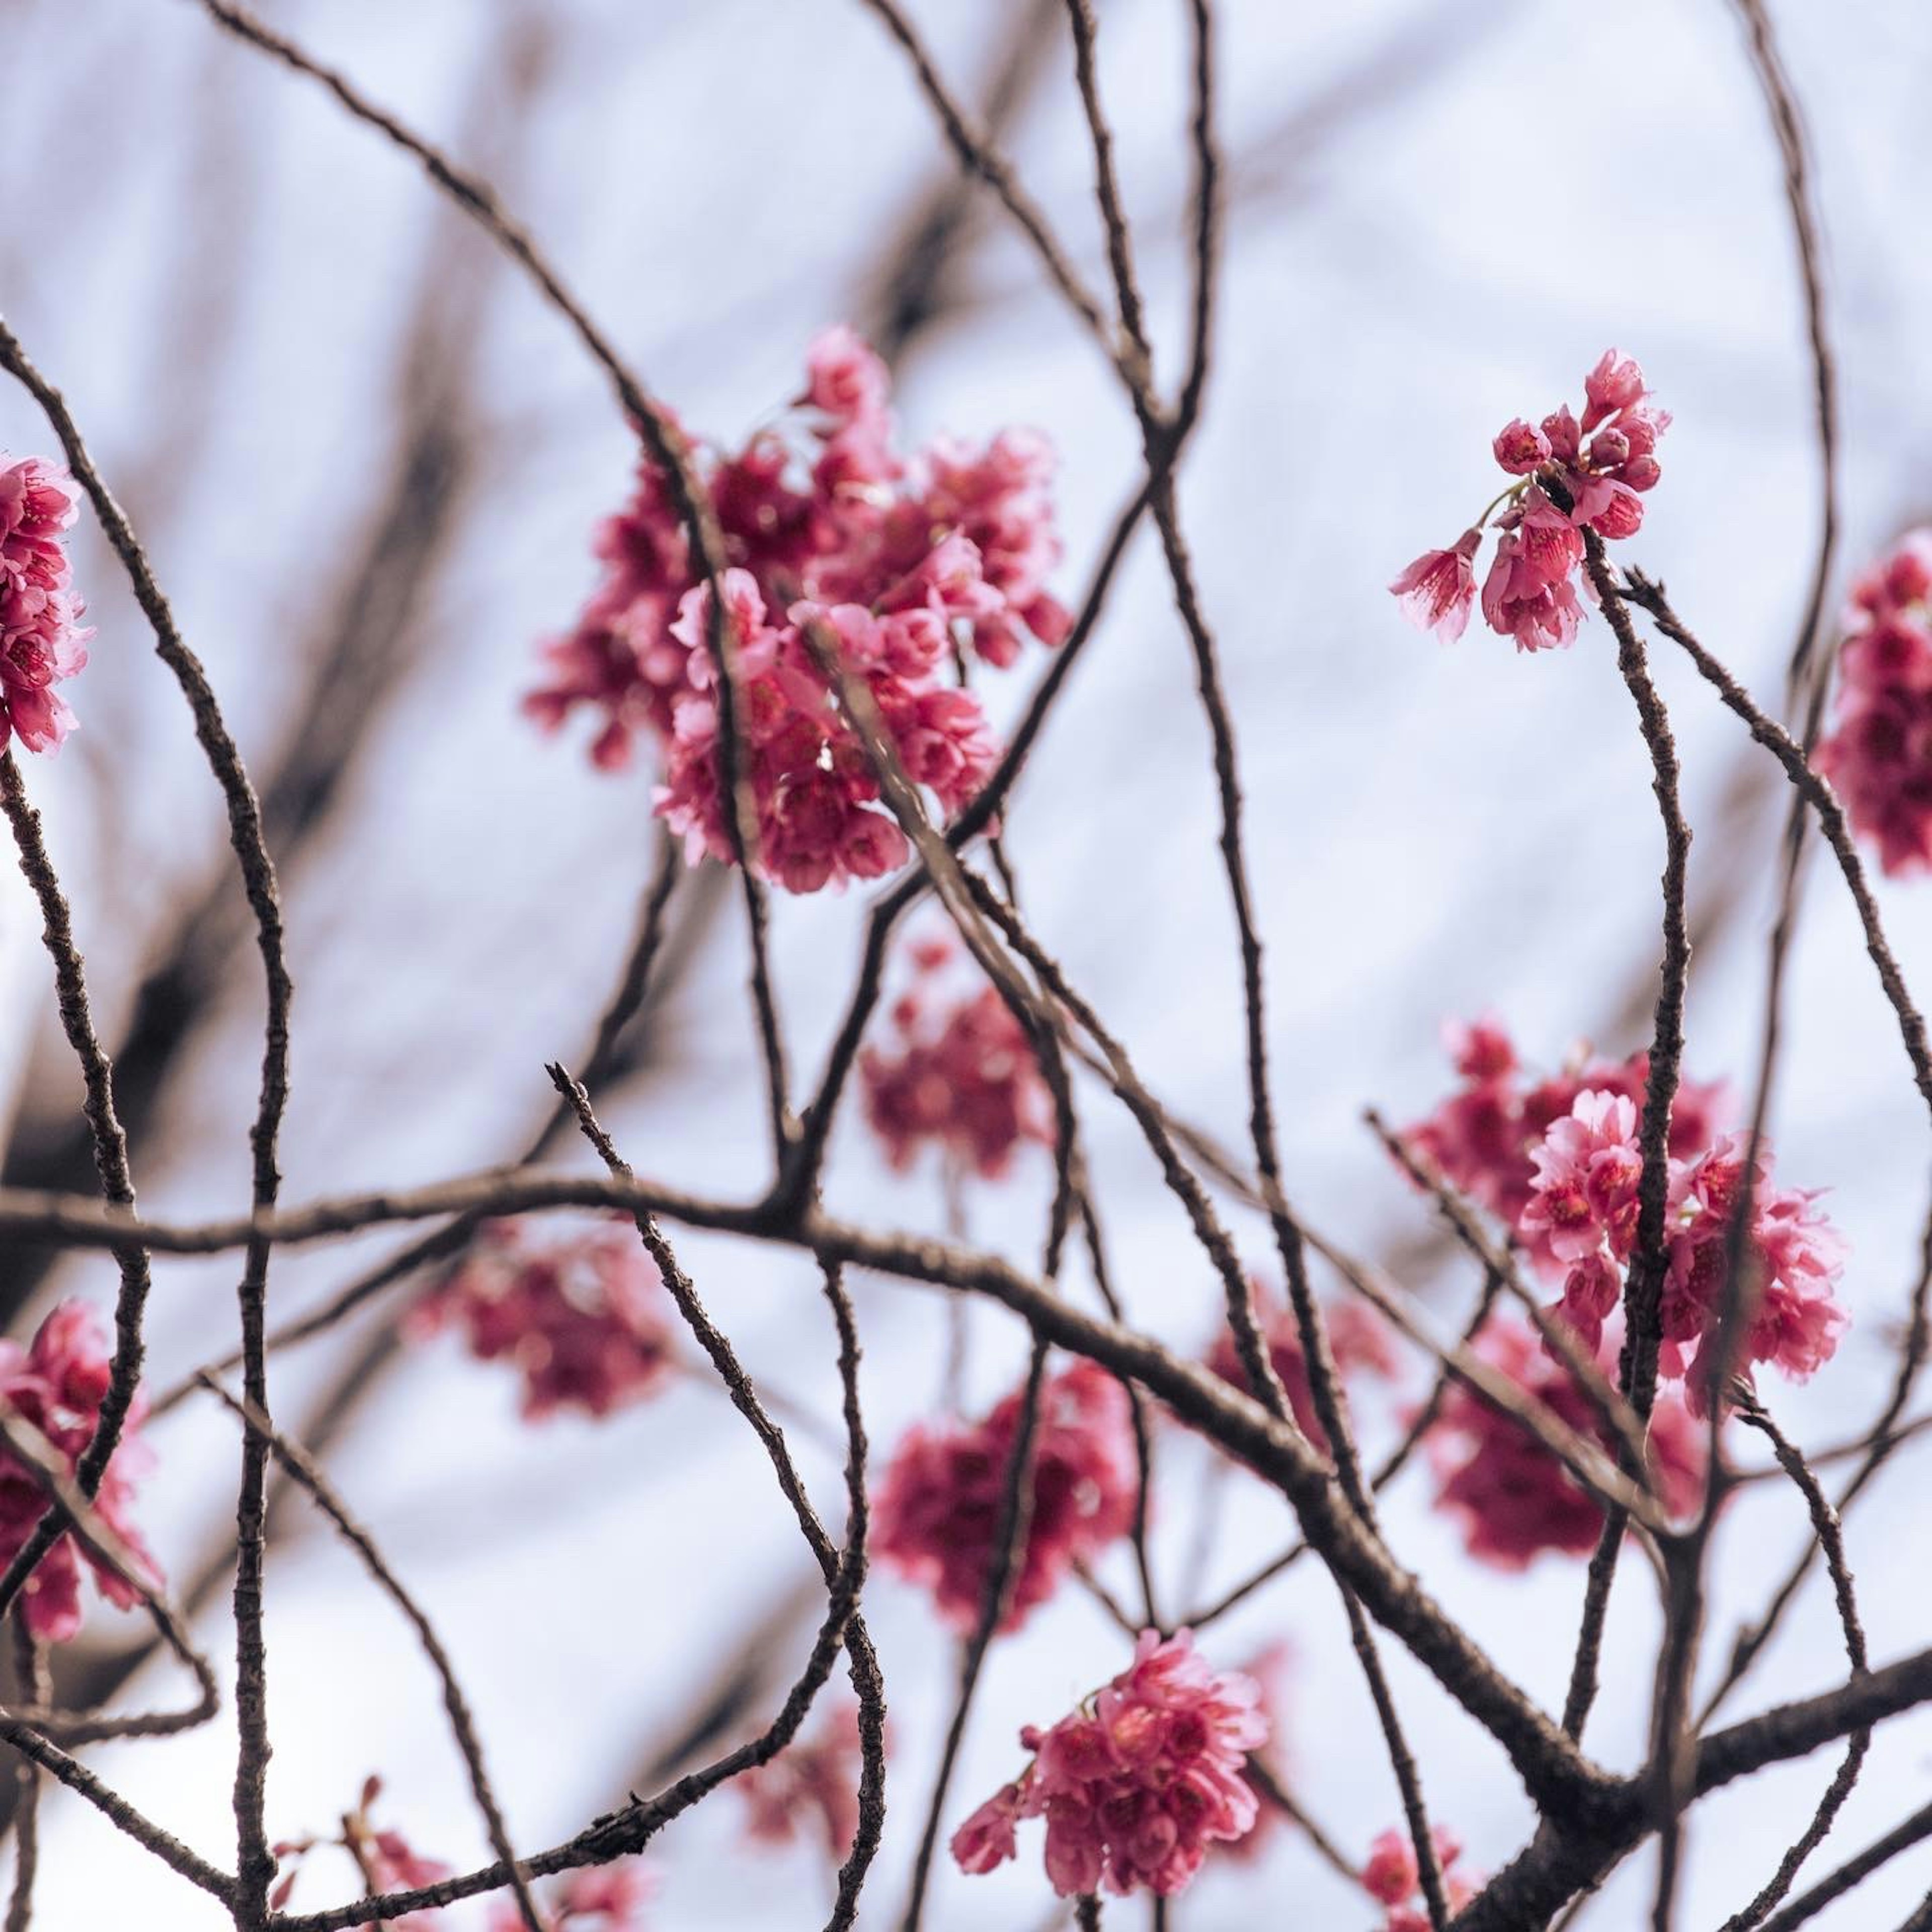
[(1514, 1497), (584, 1318), (936, 1516), (1531, 592), (960, 1074), (56, 1384), (1358, 1338), (1136, 1784), (810, 1790), (385, 1861), (1879, 751), (599, 1898), (898, 564), (1392, 1876), (42, 640)]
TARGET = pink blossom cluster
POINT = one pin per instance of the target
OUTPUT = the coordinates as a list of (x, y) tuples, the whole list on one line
[(1136, 1783), (584, 1319), (1601, 465), (41, 639), (960, 1075), (56, 1385), (1358, 1338), (599, 1898), (1393, 1876), (1879, 752), (936, 1514), (811, 1787), (384, 1861), (1513, 1497), (903, 562)]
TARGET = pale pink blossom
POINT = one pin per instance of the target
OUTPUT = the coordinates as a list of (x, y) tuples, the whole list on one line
[(384, 1861), (1437, 591), (42, 641), (810, 1790), (584, 1318), (1587, 1166), (56, 1385), (1137, 1783), (937, 1514), (598, 1898)]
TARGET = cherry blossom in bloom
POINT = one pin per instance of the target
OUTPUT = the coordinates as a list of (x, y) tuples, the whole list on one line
[(584, 1318), (1599, 467), (1878, 753), (383, 1859), (1393, 1877), (1136, 1783), (936, 1513), (598, 1898), (960, 1075), (1513, 1497), (900, 562), (809, 1790), (56, 1385), (1358, 1338), (42, 641)]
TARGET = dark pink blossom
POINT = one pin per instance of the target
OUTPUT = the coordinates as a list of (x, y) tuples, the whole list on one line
[(1358, 1338), (584, 1318), (41, 638), (960, 1075), (810, 1789), (899, 563), (1136, 1783), (1878, 753), (938, 1510), (56, 1385), (1437, 591), (1513, 1496), (1393, 1877)]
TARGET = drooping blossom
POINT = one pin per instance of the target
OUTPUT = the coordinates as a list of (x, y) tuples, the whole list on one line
[(810, 1790), (384, 1861), (584, 1318), (1878, 753), (1513, 1496), (899, 563), (1599, 468), (937, 1515), (1136, 1783), (42, 640), (598, 1898), (1393, 1876), (960, 1074), (1358, 1338), (56, 1385)]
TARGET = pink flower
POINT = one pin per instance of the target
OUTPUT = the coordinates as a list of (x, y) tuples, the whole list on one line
[(384, 1862), (41, 639), (1136, 1783), (904, 561), (1587, 1171), (56, 1385), (936, 1513), (1520, 448), (1879, 752), (1614, 384), (1437, 591), (1358, 1338), (1514, 1498), (812, 1785), (961, 1076), (584, 1319), (1392, 1877)]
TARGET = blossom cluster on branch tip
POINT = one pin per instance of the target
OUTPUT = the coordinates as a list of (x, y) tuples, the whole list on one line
[(1136, 1783), (906, 564), (1879, 751), (1512, 1497), (937, 1515), (41, 639), (1573, 476), (582, 1317), (56, 1385), (383, 1859), (1393, 1877), (1358, 1338), (1558, 1160), (960, 1074), (598, 1898), (810, 1790)]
